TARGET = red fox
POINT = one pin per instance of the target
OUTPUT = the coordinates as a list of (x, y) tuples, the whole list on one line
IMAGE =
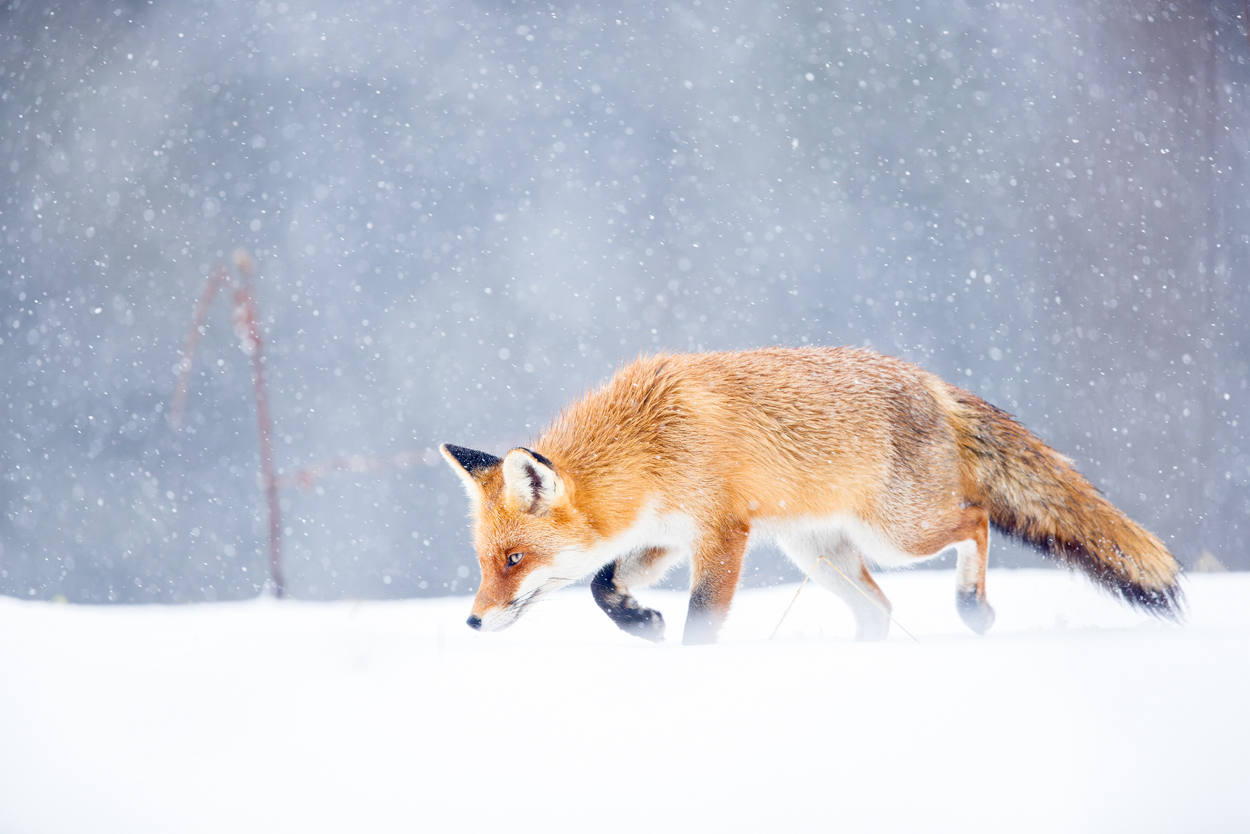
[(840, 453)]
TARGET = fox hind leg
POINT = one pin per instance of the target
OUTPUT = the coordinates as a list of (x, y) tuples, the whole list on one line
[(858, 590), (967, 529), (972, 541), (610, 588), (842, 572)]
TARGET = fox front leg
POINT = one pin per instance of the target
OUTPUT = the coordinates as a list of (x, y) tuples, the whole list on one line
[(619, 604), (715, 568)]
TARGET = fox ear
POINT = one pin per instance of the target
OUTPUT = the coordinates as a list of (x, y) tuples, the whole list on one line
[(471, 466), (531, 482)]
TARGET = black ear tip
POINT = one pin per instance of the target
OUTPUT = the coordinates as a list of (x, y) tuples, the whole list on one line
[(470, 460), (538, 457)]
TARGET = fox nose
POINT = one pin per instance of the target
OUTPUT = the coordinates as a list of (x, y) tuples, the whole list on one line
[(474, 621)]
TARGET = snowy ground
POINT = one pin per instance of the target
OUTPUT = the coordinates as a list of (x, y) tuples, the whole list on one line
[(1074, 714)]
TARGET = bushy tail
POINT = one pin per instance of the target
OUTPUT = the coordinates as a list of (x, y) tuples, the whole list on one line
[(1034, 494)]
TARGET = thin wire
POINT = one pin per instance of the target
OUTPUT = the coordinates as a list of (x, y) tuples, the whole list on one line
[(796, 599), (854, 585)]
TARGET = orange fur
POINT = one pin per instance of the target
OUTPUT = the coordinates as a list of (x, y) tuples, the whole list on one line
[(835, 450)]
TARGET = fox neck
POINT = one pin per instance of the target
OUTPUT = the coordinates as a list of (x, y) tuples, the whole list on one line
[(649, 526)]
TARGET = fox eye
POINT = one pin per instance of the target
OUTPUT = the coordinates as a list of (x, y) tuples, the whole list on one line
[(513, 558)]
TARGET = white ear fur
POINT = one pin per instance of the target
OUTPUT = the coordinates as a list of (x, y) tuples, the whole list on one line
[(530, 481)]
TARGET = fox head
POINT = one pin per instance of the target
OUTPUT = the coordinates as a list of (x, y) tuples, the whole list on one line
[(526, 530)]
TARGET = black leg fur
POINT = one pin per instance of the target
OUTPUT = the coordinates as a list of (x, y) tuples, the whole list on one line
[(623, 609), (702, 623)]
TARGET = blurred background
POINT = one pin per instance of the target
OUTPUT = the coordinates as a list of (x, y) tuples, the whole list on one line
[(464, 214)]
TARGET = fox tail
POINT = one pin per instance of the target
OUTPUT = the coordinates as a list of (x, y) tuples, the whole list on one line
[(1035, 495)]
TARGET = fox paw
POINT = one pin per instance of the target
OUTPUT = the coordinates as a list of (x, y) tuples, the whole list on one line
[(646, 623), (975, 612)]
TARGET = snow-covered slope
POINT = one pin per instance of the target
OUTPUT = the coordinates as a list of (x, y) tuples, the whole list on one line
[(1073, 714)]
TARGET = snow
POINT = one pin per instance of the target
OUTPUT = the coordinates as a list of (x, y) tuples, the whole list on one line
[(1074, 714)]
